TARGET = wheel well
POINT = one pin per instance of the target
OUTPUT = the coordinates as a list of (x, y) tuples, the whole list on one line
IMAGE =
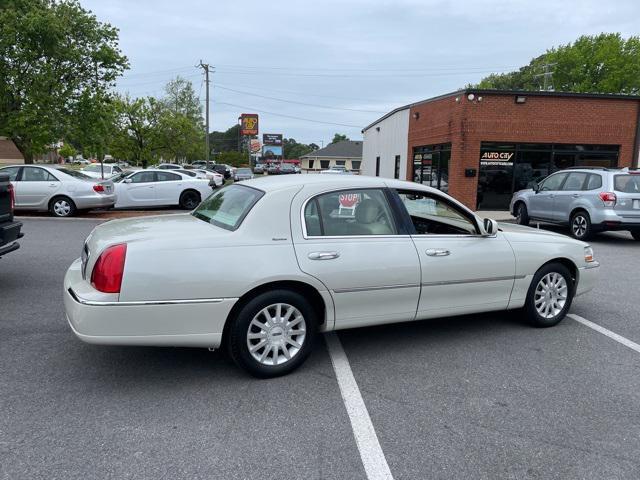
[(190, 190), (579, 209), (306, 290), (55, 197), (515, 205), (572, 267)]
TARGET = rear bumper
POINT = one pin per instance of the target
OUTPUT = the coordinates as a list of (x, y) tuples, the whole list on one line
[(9, 233), (95, 201), (587, 278), (189, 323)]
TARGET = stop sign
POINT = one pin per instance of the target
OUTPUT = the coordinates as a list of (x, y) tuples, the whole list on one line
[(349, 200)]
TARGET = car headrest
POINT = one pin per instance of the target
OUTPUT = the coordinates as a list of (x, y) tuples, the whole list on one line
[(367, 211)]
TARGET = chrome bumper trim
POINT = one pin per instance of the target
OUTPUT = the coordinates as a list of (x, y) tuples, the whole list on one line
[(95, 303)]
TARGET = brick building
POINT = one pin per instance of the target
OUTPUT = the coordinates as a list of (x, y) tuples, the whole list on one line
[(482, 145), (9, 153)]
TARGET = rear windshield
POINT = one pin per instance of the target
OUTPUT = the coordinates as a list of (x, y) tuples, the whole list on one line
[(228, 207), (73, 173), (626, 183)]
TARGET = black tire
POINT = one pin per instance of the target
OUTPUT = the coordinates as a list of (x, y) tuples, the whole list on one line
[(62, 207), (241, 326), (535, 293), (635, 234), (189, 200), (580, 225), (522, 214)]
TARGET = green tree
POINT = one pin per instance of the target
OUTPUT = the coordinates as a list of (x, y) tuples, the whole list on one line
[(339, 137), (293, 149), (604, 63), (67, 150), (235, 159), (225, 141), (51, 54)]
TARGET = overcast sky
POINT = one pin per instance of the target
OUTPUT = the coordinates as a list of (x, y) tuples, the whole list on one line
[(361, 58)]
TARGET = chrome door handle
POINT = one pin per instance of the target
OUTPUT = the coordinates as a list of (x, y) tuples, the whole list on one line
[(437, 252), (575, 195), (323, 255)]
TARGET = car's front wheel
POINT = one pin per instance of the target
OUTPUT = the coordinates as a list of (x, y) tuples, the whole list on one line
[(189, 200), (522, 215), (273, 333), (581, 225), (549, 296)]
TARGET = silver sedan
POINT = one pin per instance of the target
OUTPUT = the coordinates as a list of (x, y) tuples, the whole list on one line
[(61, 191)]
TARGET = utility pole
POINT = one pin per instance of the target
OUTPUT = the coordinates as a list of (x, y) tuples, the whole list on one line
[(205, 67), (547, 76)]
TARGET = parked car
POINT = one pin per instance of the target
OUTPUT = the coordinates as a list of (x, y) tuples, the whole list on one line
[(95, 171), (337, 170), (159, 188), (203, 164), (587, 200), (214, 177), (9, 228), (169, 166), (287, 168), (273, 168), (243, 174), (307, 254), (223, 170), (81, 161), (61, 191), (259, 168), (193, 173)]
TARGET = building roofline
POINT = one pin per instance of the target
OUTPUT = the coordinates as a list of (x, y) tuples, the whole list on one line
[(490, 91)]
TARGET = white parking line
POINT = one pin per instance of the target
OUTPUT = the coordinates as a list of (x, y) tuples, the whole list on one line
[(618, 338), (373, 459)]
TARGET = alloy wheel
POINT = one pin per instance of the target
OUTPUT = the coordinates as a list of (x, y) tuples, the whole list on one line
[(579, 226), (276, 334), (551, 295)]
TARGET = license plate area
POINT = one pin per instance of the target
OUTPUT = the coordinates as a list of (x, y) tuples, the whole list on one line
[(636, 204)]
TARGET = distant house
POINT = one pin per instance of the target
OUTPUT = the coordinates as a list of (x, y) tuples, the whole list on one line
[(347, 153), (9, 153)]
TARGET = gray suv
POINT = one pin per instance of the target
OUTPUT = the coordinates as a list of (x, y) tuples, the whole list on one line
[(588, 200)]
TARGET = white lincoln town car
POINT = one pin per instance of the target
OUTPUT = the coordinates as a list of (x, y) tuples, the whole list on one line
[(261, 267)]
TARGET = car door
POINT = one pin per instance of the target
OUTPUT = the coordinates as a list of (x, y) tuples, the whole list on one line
[(35, 187), (349, 240), (137, 190), (168, 187), (541, 203), (462, 271), (568, 195)]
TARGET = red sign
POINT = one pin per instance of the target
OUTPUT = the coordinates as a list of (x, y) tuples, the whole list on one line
[(349, 200), (249, 124)]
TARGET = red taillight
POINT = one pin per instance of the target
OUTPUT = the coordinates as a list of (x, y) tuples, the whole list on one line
[(98, 188), (608, 198), (12, 197), (108, 270)]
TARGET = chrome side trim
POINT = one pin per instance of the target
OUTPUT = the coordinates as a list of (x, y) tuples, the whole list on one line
[(590, 265), (383, 287), (472, 280), (96, 303)]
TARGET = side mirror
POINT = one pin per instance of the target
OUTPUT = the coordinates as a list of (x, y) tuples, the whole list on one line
[(127, 180), (536, 187), (490, 227)]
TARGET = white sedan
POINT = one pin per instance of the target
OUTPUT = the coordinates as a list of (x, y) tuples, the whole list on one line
[(105, 171), (158, 188), (307, 255)]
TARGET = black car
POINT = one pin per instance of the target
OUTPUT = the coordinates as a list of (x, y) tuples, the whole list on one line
[(9, 229), (223, 170)]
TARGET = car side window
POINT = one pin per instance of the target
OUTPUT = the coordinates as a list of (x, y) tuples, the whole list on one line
[(553, 182), (143, 177), (35, 174), (12, 172), (348, 213), (575, 181), (432, 215), (167, 177), (594, 182)]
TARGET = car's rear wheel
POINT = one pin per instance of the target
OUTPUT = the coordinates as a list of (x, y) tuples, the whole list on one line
[(273, 333), (581, 225), (522, 215), (62, 207), (635, 234), (549, 296), (189, 200)]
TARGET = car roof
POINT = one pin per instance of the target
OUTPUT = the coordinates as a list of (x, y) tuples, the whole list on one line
[(279, 182)]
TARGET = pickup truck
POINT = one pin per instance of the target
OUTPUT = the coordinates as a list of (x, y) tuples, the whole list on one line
[(9, 229)]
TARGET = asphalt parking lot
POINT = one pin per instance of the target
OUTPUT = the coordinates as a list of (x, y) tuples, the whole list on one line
[(481, 396)]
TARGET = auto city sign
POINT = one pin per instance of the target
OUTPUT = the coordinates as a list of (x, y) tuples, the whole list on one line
[(496, 158)]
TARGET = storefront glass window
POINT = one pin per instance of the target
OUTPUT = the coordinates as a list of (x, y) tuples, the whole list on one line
[(431, 165)]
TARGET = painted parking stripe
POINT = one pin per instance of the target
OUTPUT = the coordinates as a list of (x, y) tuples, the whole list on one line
[(373, 459), (618, 338)]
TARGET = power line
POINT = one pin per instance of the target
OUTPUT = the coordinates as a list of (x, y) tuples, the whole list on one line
[(159, 80), (299, 103), (285, 116), (158, 72), (348, 75), (385, 69)]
